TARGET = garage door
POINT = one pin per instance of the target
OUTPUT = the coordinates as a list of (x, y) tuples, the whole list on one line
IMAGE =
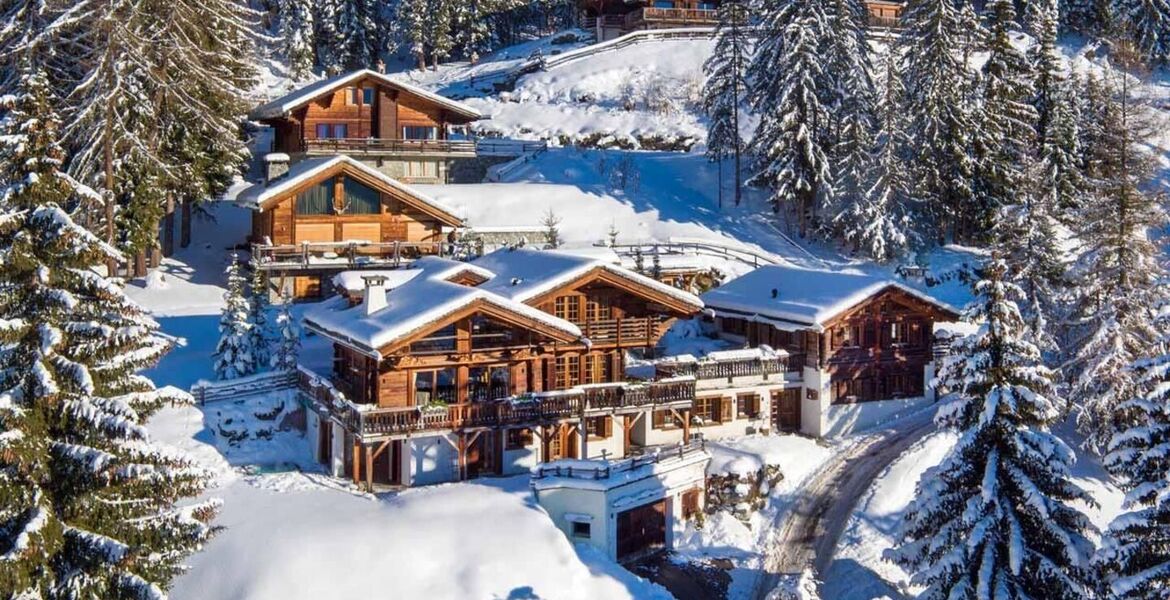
[(641, 529)]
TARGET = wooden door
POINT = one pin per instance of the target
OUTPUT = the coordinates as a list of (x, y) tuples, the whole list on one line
[(383, 470), (475, 457), (325, 441), (786, 410), (640, 529)]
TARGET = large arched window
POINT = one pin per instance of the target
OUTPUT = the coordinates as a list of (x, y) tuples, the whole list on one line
[(317, 200), (361, 199)]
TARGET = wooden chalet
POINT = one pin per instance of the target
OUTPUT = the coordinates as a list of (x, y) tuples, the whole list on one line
[(328, 214), (449, 370), (611, 18), (860, 338), (399, 129)]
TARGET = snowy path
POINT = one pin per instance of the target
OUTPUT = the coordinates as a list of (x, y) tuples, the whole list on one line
[(807, 534)]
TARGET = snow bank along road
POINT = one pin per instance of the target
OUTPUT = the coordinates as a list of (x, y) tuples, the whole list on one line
[(807, 533)]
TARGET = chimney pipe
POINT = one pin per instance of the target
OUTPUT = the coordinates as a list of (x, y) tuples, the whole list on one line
[(275, 166), (375, 295)]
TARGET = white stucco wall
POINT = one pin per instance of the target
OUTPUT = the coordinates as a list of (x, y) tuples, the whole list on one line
[(843, 419), (521, 461), (313, 434), (338, 462), (432, 460), (612, 445), (813, 410)]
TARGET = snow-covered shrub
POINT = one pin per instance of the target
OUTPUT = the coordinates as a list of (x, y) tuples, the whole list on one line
[(742, 488)]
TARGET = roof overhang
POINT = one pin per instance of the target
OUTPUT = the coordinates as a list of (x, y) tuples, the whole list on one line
[(285, 105)]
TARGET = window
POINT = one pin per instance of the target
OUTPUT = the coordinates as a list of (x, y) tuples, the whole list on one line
[(581, 529), (361, 199), (340, 131), (488, 383), (597, 309), (847, 336), (368, 96), (568, 369), (486, 333), (415, 132), (707, 6), (597, 368), (323, 130), (664, 419), (434, 387), (663, 3), (598, 427), (568, 308), (734, 326), (421, 168), (847, 391), (332, 130), (748, 406), (442, 340), (317, 200), (518, 439)]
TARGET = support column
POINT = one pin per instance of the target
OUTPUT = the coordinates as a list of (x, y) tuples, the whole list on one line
[(357, 462), (584, 438), (686, 419)]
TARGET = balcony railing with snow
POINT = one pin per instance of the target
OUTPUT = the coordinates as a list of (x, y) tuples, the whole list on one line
[(728, 365), (602, 469), (390, 146), (528, 409), (352, 254)]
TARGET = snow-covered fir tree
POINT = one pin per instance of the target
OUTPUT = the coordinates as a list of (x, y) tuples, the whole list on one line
[(357, 27), (938, 83), (412, 18), (1135, 552), (1147, 23), (849, 95), (288, 342), (879, 222), (87, 499), (552, 229), (1084, 16), (1005, 134), (327, 36), (796, 587), (789, 143), (258, 307), (439, 33), (235, 355), (1119, 265), (726, 87), (1057, 129), (473, 34), (297, 39), (996, 518)]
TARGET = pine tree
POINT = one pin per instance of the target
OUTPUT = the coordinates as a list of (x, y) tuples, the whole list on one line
[(785, 73), (552, 229), (473, 34), (1119, 266), (87, 500), (879, 222), (289, 337), (296, 32), (726, 87), (849, 95), (1006, 133), (937, 81), (261, 332), (328, 36), (438, 29), (412, 22), (235, 355), (1147, 23), (995, 518), (1135, 551), (1057, 130), (1085, 16), (357, 31)]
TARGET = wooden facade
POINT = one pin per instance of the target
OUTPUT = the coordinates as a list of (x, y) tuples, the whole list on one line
[(876, 350), (364, 109)]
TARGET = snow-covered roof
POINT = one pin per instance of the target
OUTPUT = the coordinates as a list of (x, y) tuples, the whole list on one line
[(422, 300), (256, 195), (803, 296), (283, 105), (440, 268), (523, 274), (603, 475)]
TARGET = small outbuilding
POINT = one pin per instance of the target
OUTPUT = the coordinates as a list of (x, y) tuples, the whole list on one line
[(625, 508)]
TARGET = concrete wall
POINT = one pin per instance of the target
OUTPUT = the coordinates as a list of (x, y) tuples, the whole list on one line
[(610, 446), (521, 461), (812, 410), (843, 419), (644, 435), (575, 503), (396, 168), (474, 170)]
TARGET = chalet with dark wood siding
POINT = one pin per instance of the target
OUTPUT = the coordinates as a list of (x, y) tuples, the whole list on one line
[(397, 128), (328, 214), (860, 339), (449, 370)]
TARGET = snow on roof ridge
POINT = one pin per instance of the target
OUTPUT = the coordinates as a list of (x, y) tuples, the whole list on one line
[(256, 194), (750, 293), (437, 297), (282, 105)]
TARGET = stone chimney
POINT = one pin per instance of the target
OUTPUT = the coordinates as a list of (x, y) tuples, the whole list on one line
[(275, 166), (375, 298)]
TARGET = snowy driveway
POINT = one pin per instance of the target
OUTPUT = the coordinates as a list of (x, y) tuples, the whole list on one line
[(807, 534)]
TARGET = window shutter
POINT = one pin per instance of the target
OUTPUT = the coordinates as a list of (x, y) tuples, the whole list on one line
[(608, 426), (726, 410)]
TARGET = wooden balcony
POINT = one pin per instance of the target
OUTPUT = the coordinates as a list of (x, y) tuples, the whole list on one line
[(391, 147), (604, 332), (525, 410), (727, 369), (660, 17), (348, 255)]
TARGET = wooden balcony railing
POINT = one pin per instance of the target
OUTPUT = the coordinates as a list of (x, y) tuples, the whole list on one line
[(389, 146), (726, 369), (351, 254), (618, 331), (532, 409), (876, 22), (702, 16)]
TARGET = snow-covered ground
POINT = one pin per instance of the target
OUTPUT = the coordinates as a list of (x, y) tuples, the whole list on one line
[(858, 571)]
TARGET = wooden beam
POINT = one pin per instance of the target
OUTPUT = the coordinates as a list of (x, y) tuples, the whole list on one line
[(357, 462), (686, 425), (381, 448), (369, 469)]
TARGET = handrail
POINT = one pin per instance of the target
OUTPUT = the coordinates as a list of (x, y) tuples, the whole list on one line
[(354, 253), (725, 369), (697, 247), (336, 145), (605, 469), (231, 389)]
